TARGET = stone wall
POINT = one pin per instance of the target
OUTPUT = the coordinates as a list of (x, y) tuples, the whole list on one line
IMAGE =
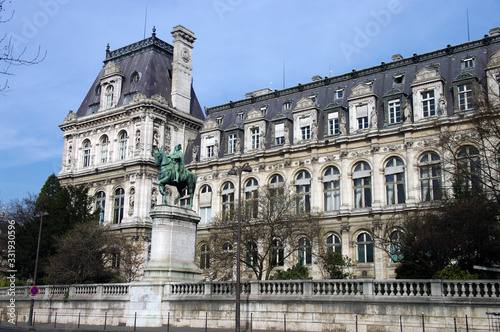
[(310, 305)]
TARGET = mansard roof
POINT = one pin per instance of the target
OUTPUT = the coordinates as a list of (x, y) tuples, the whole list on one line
[(150, 59), (446, 61)]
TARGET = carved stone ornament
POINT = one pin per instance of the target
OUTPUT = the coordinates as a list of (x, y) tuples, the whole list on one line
[(185, 55), (70, 117), (159, 98)]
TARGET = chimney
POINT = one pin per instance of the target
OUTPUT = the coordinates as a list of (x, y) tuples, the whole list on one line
[(181, 68), (396, 57), (495, 31)]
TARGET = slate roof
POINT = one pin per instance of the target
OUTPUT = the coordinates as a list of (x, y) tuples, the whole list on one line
[(151, 58), (448, 61)]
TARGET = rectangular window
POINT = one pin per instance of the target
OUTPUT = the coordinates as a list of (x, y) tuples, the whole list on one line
[(205, 214), (241, 116), (394, 111), (333, 123), (255, 135), (210, 151), (428, 104), (219, 120), (279, 134), (263, 110), (231, 143), (287, 105), (464, 97), (468, 63), (305, 128), (362, 116), (339, 94)]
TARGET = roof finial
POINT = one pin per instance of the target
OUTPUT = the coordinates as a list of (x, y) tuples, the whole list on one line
[(154, 31), (107, 51)]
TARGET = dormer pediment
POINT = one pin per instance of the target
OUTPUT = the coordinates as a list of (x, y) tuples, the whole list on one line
[(426, 75), (304, 103), (254, 114), (494, 61), (364, 89), (210, 125), (111, 69)]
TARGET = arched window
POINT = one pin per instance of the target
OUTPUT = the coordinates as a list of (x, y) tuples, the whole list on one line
[(365, 248), (104, 149), (122, 145), (204, 257), (303, 187), (86, 153), (333, 244), (395, 246), (469, 167), (119, 201), (276, 191), (227, 198), (109, 96), (252, 254), (395, 181), (331, 189), (362, 185), (277, 257), (429, 168), (252, 198), (304, 252), (205, 204), (100, 205)]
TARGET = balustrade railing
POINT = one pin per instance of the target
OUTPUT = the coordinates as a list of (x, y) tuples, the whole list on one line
[(361, 288)]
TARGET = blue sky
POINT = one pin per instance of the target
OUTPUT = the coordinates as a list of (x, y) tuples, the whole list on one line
[(241, 46)]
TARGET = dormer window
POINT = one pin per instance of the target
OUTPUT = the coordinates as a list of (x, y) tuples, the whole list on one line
[(279, 134), (333, 124), (109, 96), (314, 98), (362, 116), (263, 110), (98, 90), (305, 128), (219, 120), (135, 77), (398, 79), (339, 93), (241, 116), (467, 63), (287, 105)]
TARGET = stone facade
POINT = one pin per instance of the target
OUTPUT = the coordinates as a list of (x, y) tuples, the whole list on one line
[(359, 140), (355, 144)]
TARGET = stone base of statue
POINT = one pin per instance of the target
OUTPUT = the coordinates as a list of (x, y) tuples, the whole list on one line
[(173, 243)]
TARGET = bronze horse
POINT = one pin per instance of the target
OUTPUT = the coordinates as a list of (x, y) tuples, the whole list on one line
[(167, 176)]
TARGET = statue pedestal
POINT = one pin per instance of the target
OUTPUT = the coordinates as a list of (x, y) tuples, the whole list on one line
[(173, 244)]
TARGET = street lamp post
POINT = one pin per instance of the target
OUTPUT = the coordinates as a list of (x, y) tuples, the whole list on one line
[(237, 170), (41, 215)]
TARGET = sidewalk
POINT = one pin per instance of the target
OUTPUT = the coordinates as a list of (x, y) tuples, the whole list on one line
[(99, 328)]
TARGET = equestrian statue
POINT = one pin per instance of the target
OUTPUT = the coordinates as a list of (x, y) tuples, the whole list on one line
[(172, 171)]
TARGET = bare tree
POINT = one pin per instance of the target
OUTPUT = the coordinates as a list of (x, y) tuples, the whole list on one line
[(9, 57), (276, 223)]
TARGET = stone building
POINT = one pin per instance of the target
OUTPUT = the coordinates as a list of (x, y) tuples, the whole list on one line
[(358, 147), (141, 99)]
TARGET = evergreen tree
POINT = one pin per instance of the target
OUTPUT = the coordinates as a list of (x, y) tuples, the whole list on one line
[(66, 207)]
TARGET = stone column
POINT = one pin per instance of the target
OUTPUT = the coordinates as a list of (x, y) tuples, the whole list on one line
[(173, 243)]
